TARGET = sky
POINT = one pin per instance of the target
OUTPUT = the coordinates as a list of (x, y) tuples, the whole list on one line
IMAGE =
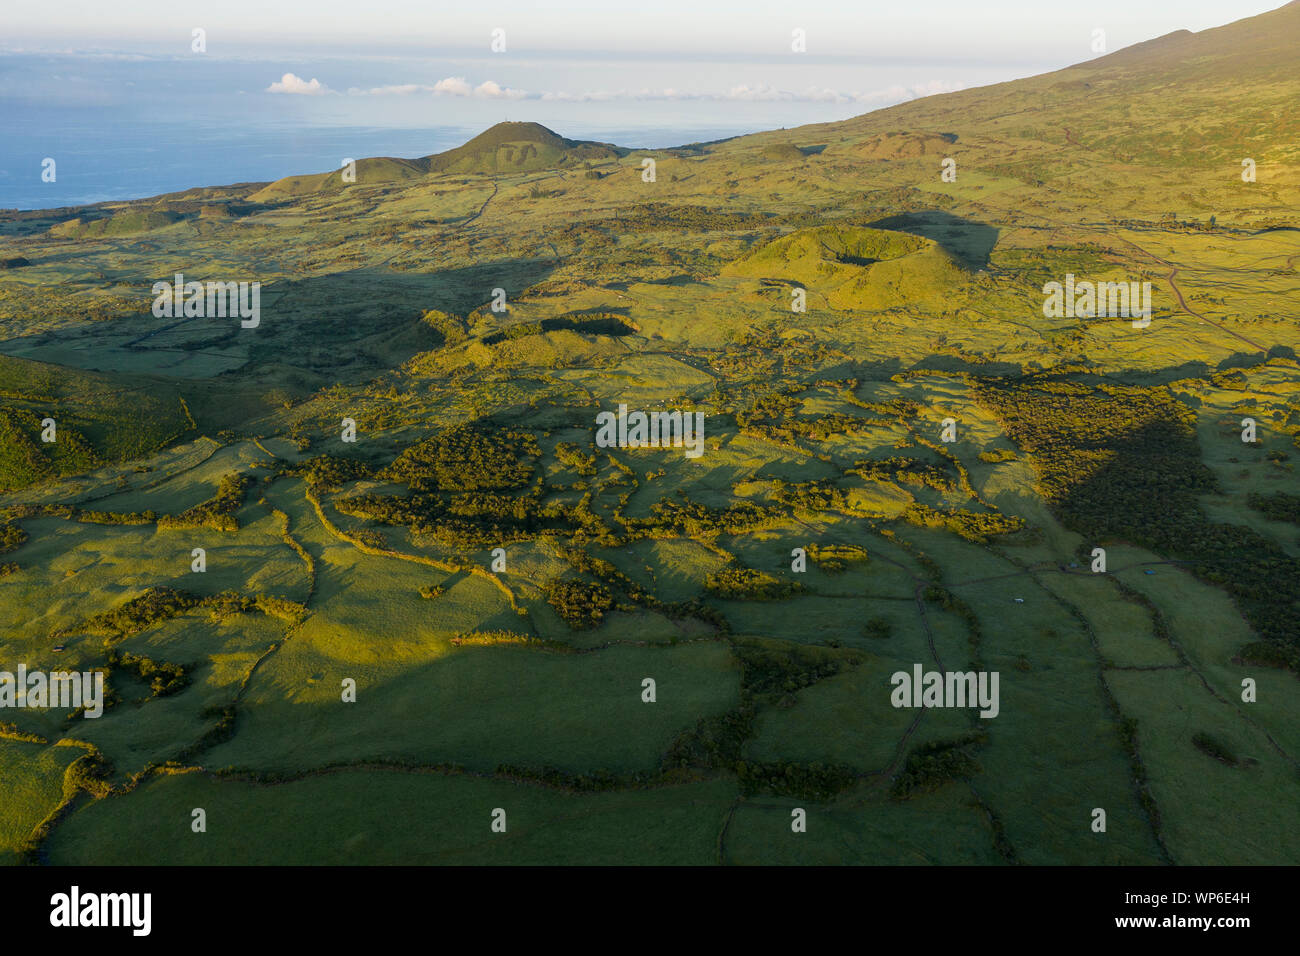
[(391, 61), (137, 105), (950, 29)]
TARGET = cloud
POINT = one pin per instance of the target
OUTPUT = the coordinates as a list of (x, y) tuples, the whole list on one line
[(815, 94), (760, 93), (404, 89), (290, 83), (495, 91), (767, 94), (937, 86), (451, 86)]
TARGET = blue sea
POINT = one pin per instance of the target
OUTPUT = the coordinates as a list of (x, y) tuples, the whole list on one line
[(131, 159)]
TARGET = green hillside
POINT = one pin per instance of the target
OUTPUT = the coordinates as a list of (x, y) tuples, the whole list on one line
[(855, 268), (505, 148), (98, 420)]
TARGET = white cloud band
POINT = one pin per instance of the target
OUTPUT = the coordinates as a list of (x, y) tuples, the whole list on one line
[(291, 83), (460, 87)]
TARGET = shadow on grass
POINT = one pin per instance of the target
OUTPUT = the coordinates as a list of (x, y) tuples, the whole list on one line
[(968, 241)]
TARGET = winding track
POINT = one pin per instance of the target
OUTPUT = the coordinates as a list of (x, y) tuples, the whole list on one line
[(1182, 303)]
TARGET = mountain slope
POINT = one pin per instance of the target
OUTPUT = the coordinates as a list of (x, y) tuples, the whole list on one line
[(1218, 94), (504, 148)]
